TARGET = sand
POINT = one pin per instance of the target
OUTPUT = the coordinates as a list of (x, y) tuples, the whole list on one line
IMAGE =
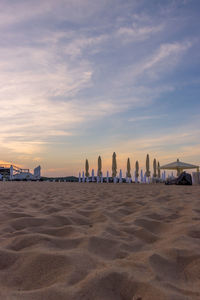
[(99, 242)]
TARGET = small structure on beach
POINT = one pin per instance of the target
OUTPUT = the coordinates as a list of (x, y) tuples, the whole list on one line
[(179, 166)]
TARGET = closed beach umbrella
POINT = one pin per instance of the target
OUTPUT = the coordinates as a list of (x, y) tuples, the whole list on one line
[(101, 178), (141, 176), (147, 167), (83, 177), (145, 178), (87, 168), (79, 177), (136, 170), (92, 175), (158, 170), (107, 179), (154, 168), (120, 176), (99, 172), (114, 165), (128, 174)]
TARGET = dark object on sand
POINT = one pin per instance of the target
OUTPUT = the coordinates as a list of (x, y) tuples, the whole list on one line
[(183, 179)]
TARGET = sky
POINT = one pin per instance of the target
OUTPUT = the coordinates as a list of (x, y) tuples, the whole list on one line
[(82, 78)]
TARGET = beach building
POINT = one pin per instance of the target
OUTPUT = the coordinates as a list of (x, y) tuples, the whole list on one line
[(5, 171), (12, 172)]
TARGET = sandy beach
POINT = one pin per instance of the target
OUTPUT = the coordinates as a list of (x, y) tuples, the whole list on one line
[(99, 241)]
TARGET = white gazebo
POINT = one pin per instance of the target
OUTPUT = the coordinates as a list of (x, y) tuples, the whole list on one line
[(179, 166)]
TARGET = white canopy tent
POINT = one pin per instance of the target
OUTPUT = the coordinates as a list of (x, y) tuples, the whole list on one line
[(179, 166)]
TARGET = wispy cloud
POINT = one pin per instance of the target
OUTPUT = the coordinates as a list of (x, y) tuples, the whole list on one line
[(23, 11), (145, 118), (130, 34), (167, 54), (161, 61)]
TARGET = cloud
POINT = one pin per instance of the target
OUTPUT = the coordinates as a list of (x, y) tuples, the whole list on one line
[(162, 61), (39, 73), (27, 147), (180, 136), (145, 77), (170, 52), (37, 88), (138, 33), (144, 118), (78, 45), (71, 10), (40, 96), (164, 145)]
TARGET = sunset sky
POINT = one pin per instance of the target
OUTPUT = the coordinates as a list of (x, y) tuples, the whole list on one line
[(82, 78)]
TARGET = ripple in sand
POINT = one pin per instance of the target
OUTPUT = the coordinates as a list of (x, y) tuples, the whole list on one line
[(23, 223), (152, 225), (36, 270)]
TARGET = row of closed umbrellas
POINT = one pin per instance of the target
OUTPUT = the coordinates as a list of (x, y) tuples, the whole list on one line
[(177, 165), (143, 178)]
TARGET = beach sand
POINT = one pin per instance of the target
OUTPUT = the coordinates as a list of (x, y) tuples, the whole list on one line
[(99, 241)]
